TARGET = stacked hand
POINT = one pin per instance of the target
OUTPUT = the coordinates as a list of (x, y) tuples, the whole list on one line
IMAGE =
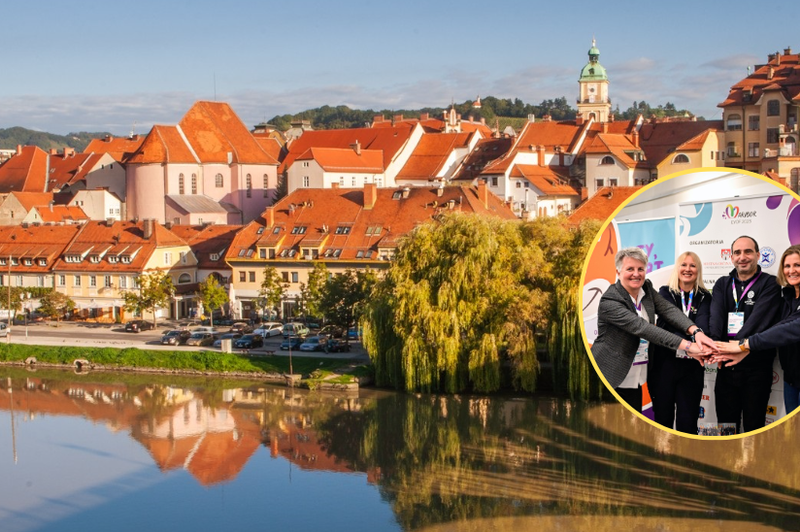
[(729, 352), (703, 349)]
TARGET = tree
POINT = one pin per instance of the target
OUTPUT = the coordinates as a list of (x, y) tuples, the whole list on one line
[(212, 296), (56, 305), (317, 278), (344, 296), (272, 289), (155, 291)]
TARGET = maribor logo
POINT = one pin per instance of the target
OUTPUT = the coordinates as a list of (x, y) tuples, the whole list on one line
[(736, 215)]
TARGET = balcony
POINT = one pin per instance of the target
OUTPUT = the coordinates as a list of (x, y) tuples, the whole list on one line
[(784, 151)]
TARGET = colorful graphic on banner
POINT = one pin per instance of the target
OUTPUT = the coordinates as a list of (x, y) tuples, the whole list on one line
[(655, 237)]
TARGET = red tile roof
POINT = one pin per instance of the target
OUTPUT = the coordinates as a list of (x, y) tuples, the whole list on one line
[(271, 145), (205, 240), (25, 171), (603, 204), (545, 179), (61, 213), (35, 242), (660, 139), (486, 151), (388, 140), (430, 154), (471, 127), (69, 168), (337, 219), (781, 72), (564, 135), (119, 148), (29, 200), (346, 159)]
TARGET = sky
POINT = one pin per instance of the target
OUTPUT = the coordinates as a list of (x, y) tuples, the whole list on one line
[(123, 66)]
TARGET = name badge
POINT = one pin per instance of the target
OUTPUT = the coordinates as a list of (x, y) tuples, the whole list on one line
[(735, 323), (641, 353)]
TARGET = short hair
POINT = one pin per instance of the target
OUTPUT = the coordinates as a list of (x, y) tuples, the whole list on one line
[(633, 253), (674, 279), (791, 250), (744, 236)]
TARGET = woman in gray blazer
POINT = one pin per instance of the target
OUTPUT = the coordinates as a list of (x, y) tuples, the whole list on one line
[(626, 326)]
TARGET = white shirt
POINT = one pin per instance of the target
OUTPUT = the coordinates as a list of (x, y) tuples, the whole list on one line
[(637, 375)]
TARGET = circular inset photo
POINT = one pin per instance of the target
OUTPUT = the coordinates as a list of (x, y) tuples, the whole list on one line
[(691, 303)]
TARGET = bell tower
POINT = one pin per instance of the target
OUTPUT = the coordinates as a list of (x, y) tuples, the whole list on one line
[(593, 100)]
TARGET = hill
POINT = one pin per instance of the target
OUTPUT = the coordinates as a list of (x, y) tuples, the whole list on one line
[(13, 136)]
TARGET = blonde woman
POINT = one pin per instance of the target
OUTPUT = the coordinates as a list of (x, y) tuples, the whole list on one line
[(675, 379)]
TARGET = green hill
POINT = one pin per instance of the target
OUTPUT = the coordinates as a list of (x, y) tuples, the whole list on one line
[(13, 136)]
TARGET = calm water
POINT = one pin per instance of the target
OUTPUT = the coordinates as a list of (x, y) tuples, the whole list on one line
[(102, 452)]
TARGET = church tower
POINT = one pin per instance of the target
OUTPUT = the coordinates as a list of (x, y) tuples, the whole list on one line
[(593, 100)]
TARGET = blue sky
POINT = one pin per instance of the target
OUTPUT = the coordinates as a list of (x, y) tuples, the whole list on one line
[(88, 66)]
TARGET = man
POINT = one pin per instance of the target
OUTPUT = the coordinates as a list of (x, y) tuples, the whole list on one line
[(745, 302)]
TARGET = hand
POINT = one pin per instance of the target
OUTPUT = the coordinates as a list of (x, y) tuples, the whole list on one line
[(730, 359), (699, 353), (729, 347), (705, 341)]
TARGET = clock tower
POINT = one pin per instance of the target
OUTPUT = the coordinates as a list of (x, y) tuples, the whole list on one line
[(593, 100)]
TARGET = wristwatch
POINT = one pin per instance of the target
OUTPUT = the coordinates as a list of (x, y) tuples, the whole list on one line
[(742, 345), (697, 330)]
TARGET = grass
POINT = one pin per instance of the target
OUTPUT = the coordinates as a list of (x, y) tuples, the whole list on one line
[(190, 361)]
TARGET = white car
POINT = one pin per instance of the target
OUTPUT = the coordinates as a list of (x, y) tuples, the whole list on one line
[(271, 328), (5, 329)]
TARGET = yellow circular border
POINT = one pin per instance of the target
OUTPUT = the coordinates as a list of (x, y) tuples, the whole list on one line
[(715, 169)]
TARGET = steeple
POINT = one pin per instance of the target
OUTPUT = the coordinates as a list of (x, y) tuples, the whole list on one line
[(593, 101)]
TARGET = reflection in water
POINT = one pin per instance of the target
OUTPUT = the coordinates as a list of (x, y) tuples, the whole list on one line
[(456, 463)]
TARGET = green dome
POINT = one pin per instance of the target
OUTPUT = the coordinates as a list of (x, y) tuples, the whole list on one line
[(593, 71)]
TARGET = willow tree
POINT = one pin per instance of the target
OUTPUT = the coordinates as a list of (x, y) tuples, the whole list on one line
[(460, 300)]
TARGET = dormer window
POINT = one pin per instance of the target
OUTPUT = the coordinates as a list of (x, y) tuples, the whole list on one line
[(276, 230), (126, 259), (214, 256), (3, 262), (42, 262), (374, 230), (112, 259), (343, 230), (260, 230), (14, 262), (27, 262), (94, 259), (299, 230)]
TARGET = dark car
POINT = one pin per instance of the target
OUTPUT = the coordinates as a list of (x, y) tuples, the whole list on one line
[(241, 327), (249, 341), (331, 331), (232, 336), (291, 343), (176, 337), (337, 345), (200, 338), (314, 343), (138, 326)]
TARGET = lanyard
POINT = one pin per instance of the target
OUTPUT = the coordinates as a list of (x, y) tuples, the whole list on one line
[(733, 284), (687, 307)]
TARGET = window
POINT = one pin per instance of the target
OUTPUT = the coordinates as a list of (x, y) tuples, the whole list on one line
[(494, 181), (306, 164), (252, 276), (306, 181), (135, 282), (753, 122), (184, 278), (343, 230), (28, 262), (519, 184), (194, 183), (295, 277), (19, 280), (612, 182), (681, 158), (219, 181), (214, 256), (107, 281), (62, 280), (599, 183), (123, 281), (42, 262), (360, 254), (181, 184), (734, 122), (248, 185), (772, 135), (285, 277), (299, 230), (266, 186), (183, 257), (374, 230), (353, 180), (773, 108), (94, 259), (167, 258), (77, 280), (732, 150), (607, 160), (93, 281), (40, 281), (242, 277), (752, 149), (341, 181)]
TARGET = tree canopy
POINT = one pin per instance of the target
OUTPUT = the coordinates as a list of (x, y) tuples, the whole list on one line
[(272, 289), (212, 296), (155, 291)]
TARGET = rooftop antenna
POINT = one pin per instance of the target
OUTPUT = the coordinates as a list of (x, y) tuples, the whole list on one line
[(133, 129)]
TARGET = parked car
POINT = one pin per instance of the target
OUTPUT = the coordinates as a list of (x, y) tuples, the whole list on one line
[(138, 326), (200, 338), (241, 327), (331, 331), (270, 328), (292, 343), (233, 336), (314, 343), (337, 345), (249, 341), (294, 329), (210, 330), (355, 333), (4, 330), (176, 337)]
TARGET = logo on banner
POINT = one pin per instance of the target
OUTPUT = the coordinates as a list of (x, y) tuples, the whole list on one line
[(772, 410), (775, 377), (702, 412), (706, 398), (736, 215), (725, 254), (767, 257)]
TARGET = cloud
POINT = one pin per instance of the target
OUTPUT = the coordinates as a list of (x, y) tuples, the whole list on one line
[(737, 62), (638, 64)]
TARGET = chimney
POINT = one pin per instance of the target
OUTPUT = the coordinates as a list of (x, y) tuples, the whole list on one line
[(579, 120), (335, 184), (269, 215), (547, 118), (531, 118), (69, 152), (635, 136), (777, 58), (611, 117), (770, 73), (398, 118), (560, 158), (377, 119), (19, 149), (51, 205), (483, 120), (540, 154), (605, 127), (356, 147), (787, 50), (53, 151), (370, 195), (424, 116), (148, 228), (483, 194), (108, 138)]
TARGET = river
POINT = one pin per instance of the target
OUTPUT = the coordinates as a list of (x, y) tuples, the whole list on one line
[(102, 451)]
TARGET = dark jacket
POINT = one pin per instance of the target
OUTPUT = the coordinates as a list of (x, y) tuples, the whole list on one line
[(619, 329), (760, 313), (699, 314), (785, 335)]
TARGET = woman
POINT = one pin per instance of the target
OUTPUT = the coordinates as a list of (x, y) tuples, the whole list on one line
[(675, 379), (785, 335), (626, 326)]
